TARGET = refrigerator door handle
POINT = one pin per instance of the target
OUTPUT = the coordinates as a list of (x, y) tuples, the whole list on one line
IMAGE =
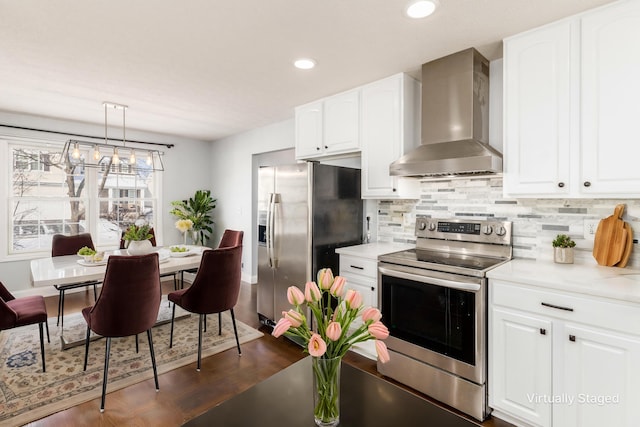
[(273, 259), (269, 231)]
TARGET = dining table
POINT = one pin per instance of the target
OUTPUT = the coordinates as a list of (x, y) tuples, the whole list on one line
[(70, 270)]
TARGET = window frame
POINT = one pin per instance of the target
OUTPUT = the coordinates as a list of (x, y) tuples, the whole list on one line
[(90, 195)]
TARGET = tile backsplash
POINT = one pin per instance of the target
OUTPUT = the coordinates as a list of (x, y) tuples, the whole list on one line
[(536, 222)]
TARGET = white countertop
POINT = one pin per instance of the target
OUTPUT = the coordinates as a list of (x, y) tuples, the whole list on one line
[(373, 250), (608, 282)]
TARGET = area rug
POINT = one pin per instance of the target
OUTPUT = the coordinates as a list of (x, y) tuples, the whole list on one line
[(28, 394)]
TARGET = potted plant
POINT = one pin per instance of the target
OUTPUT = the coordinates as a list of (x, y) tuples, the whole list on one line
[(196, 209), (563, 249), (138, 237)]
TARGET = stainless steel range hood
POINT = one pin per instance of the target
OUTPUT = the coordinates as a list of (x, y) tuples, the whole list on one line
[(455, 120)]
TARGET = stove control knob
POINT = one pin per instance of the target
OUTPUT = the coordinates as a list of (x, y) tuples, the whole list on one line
[(432, 226), (422, 225), (500, 231), (487, 229)]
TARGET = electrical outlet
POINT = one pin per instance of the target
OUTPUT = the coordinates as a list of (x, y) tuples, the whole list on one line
[(590, 227)]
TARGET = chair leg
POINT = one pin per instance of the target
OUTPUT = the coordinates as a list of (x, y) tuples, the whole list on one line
[(62, 310), (219, 323), (44, 368), (137, 346), (235, 330), (59, 306), (106, 370), (200, 341), (173, 317), (153, 359), (47, 325), (86, 348), (205, 322), (95, 293)]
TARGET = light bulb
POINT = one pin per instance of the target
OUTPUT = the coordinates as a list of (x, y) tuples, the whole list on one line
[(421, 9), (149, 158), (76, 151), (132, 158), (115, 159), (96, 152)]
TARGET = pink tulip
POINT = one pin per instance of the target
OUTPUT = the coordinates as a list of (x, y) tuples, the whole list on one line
[(378, 330), (325, 278), (353, 299), (317, 347), (383, 353), (312, 292), (295, 296), (295, 317), (281, 327), (338, 286), (334, 330), (371, 314)]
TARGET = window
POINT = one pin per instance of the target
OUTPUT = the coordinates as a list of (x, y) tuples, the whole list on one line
[(47, 196)]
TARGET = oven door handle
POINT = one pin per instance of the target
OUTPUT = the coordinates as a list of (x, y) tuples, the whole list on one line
[(473, 287)]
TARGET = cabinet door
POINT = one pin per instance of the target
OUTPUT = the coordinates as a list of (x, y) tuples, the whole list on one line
[(389, 129), (342, 122), (520, 365), (309, 130), (610, 94), (602, 373), (538, 110), (366, 286)]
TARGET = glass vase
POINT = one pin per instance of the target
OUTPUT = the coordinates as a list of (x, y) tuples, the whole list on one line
[(326, 391)]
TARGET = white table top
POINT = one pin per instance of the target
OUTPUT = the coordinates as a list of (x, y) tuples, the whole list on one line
[(64, 270)]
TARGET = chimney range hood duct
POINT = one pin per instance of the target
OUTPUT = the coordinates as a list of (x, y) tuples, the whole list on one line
[(455, 120)]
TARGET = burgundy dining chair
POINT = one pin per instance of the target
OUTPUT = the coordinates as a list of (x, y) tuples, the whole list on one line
[(16, 312), (124, 244), (62, 245), (128, 305), (229, 238), (215, 289)]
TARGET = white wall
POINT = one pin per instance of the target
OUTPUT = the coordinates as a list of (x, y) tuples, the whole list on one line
[(232, 186), (187, 169)]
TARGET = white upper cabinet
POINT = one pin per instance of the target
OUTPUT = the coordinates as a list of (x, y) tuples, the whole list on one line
[(328, 127), (610, 90), (390, 128), (570, 91)]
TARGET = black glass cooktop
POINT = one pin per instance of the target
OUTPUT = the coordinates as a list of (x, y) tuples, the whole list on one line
[(417, 257)]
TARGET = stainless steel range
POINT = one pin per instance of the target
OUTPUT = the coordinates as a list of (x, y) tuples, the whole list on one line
[(434, 301)]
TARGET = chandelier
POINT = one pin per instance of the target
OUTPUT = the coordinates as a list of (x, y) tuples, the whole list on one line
[(106, 155)]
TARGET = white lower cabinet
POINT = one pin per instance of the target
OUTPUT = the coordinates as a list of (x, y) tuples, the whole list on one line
[(362, 276), (558, 359)]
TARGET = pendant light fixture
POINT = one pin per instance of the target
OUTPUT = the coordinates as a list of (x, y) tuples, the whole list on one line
[(71, 152)]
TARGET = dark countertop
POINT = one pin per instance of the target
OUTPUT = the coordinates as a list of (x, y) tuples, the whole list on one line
[(285, 399)]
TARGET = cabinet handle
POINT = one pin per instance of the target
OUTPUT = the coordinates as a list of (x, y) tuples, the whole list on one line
[(318, 148), (561, 184), (572, 338), (373, 289), (543, 331), (393, 189), (587, 184), (559, 307), (356, 267), (326, 146)]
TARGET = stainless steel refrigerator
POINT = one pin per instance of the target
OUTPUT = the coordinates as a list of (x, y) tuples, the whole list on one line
[(305, 212)]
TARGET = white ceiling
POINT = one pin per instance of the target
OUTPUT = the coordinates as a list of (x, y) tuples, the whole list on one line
[(207, 69)]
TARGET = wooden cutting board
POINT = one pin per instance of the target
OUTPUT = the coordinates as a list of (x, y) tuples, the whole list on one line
[(627, 249), (611, 238)]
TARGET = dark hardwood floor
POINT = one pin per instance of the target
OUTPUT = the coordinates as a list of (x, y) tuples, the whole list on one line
[(184, 392)]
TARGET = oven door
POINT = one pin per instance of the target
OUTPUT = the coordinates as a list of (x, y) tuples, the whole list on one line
[(437, 318)]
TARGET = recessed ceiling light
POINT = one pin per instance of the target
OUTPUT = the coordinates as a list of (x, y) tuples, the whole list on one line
[(421, 9), (304, 63)]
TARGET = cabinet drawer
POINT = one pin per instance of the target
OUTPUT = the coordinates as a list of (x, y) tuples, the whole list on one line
[(362, 266), (622, 317)]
